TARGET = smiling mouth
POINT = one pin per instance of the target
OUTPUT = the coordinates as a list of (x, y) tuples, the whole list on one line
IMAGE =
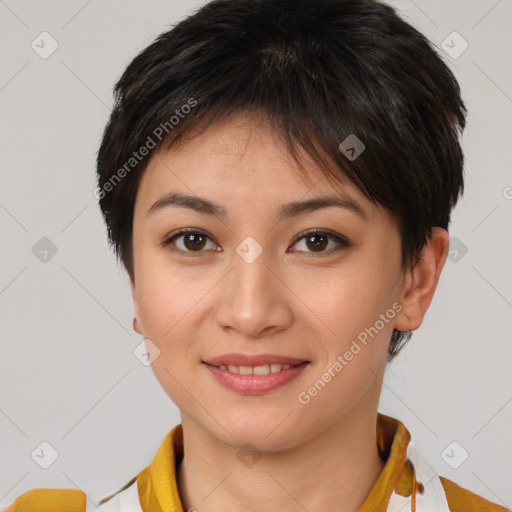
[(258, 378), (262, 369)]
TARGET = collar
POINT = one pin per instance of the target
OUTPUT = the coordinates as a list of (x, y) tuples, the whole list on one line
[(158, 489)]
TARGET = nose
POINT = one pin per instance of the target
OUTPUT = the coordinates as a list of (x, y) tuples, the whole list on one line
[(254, 300)]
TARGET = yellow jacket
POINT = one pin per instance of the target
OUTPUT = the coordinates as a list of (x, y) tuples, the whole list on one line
[(154, 489)]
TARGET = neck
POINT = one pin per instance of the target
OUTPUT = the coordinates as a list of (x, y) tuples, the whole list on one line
[(332, 472)]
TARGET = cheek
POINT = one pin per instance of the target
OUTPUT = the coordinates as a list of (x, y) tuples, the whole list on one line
[(170, 307), (169, 295), (355, 341), (346, 301)]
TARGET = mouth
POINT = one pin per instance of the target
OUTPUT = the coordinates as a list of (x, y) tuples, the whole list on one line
[(262, 369), (254, 375)]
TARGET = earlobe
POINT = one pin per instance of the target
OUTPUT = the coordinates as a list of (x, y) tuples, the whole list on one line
[(421, 281), (136, 319)]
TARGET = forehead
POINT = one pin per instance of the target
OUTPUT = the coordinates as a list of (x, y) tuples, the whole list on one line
[(241, 155)]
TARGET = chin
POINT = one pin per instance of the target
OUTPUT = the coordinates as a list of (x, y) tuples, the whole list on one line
[(266, 432)]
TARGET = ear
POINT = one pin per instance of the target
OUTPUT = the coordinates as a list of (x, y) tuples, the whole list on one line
[(420, 282), (137, 326)]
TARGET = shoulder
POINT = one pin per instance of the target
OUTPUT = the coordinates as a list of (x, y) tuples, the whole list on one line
[(463, 500), (125, 499), (49, 500)]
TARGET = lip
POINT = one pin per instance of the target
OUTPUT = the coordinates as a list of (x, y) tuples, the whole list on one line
[(251, 360), (254, 384)]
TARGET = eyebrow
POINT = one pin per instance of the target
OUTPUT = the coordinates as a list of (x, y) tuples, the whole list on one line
[(286, 211)]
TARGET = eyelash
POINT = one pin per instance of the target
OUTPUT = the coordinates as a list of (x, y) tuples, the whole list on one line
[(342, 242)]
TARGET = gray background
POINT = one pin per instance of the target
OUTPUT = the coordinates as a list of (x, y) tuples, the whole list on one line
[(67, 369)]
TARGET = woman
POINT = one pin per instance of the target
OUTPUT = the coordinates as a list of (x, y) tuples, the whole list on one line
[(277, 178)]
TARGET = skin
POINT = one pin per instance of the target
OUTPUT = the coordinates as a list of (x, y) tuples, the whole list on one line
[(293, 300)]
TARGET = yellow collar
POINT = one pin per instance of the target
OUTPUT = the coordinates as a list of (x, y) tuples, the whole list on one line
[(158, 489)]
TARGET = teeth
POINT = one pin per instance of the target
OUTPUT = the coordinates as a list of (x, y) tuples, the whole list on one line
[(263, 369), (275, 367)]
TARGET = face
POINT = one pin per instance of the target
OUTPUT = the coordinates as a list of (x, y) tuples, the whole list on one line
[(259, 300)]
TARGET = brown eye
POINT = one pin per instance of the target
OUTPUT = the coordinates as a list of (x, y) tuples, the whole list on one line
[(314, 242), (318, 241), (194, 241), (188, 241)]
